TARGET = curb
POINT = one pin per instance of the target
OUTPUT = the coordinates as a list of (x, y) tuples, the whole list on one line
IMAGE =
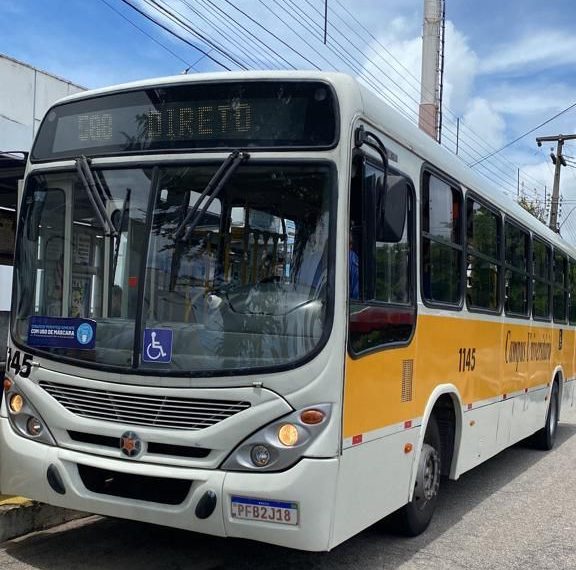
[(19, 516)]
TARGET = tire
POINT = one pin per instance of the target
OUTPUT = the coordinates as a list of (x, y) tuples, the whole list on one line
[(414, 517), (546, 437)]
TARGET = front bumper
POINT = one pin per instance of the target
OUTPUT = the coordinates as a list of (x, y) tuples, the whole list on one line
[(311, 483)]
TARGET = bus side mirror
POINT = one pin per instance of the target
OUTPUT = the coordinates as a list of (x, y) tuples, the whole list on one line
[(391, 210)]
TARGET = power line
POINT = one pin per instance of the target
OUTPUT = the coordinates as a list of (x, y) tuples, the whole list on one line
[(292, 29), (372, 62), (278, 57), (155, 40), (167, 12), (407, 73), (172, 32), (525, 134), (501, 176), (230, 37), (285, 44)]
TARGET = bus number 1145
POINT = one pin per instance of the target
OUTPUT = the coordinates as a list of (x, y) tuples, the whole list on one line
[(467, 359)]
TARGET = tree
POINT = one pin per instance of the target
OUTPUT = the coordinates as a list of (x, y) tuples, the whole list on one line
[(534, 207)]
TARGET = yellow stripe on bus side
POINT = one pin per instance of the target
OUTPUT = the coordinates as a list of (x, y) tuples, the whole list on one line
[(482, 359)]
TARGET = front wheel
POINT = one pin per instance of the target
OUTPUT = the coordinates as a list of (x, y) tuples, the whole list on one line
[(545, 438), (414, 517)]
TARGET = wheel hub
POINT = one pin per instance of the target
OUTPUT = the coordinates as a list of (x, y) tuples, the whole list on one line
[(428, 479)]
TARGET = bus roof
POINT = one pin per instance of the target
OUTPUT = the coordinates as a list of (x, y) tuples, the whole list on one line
[(411, 137), (336, 78), (396, 126)]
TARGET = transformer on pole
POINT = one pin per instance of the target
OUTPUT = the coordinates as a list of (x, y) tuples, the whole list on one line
[(558, 160)]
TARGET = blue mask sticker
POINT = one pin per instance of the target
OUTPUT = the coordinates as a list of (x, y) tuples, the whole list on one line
[(61, 332)]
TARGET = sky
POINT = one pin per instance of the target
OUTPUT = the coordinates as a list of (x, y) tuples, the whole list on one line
[(509, 65)]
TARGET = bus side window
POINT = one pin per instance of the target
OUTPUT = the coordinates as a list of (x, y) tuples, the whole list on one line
[(572, 292), (517, 270), (560, 296), (442, 248), (541, 266), (483, 263), (382, 311)]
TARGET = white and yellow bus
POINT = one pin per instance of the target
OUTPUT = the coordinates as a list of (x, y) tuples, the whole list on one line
[(263, 305)]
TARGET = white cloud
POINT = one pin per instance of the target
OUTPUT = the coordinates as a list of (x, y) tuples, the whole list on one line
[(540, 49), (396, 67), (531, 99), (487, 124), (534, 177), (461, 66), (478, 85), (399, 67)]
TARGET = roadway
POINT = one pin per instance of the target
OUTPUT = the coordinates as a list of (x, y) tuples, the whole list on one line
[(518, 510)]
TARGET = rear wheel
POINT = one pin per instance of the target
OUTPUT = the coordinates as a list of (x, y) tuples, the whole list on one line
[(414, 517), (546, 437)]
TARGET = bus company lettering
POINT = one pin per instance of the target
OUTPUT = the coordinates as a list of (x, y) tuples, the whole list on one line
[(516, 351), (531, 349), (182, 122)]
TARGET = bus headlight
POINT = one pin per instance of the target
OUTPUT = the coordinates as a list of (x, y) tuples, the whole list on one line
[(288, 435), (280, 444), (260, 455), (34, 426), (24, 418), (16, 403)]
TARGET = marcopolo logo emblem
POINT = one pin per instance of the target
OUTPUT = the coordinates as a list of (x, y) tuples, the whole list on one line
[(130, 444), (85, 333)]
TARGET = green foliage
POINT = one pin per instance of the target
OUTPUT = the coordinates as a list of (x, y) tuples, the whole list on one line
[(534, 207)]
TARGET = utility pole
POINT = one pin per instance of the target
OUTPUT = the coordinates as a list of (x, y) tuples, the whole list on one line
[(432, 65), (559, 162)]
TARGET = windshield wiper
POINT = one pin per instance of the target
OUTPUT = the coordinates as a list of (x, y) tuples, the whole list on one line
[(95, 194), (213, 188)]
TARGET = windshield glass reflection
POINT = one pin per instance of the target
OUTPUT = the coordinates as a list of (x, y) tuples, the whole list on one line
[(243, 287), (247, 286)]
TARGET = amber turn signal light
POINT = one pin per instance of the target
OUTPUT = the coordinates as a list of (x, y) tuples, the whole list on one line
[(312, 417), (7, 384)]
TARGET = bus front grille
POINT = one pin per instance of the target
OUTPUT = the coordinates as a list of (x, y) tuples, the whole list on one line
[(143, 409), (153, 448)]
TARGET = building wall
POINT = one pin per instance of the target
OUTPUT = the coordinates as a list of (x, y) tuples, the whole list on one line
[(25, 96)]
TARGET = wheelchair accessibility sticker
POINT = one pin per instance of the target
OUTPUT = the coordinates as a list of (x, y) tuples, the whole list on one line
[(157, 346)]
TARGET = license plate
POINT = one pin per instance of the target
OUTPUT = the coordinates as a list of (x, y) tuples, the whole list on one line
[(251, 509)]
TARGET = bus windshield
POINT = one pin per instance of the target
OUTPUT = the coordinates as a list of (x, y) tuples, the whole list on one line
[(165, 282)]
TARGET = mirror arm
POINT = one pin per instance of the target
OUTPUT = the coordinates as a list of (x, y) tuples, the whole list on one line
[(363, 137)]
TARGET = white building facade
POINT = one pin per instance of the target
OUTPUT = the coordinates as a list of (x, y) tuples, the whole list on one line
[(26, 93)]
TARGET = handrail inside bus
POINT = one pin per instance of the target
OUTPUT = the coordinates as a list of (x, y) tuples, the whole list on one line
[(121, 222)]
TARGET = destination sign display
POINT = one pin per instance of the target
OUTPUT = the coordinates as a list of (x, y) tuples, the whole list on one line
[(257, 114)]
